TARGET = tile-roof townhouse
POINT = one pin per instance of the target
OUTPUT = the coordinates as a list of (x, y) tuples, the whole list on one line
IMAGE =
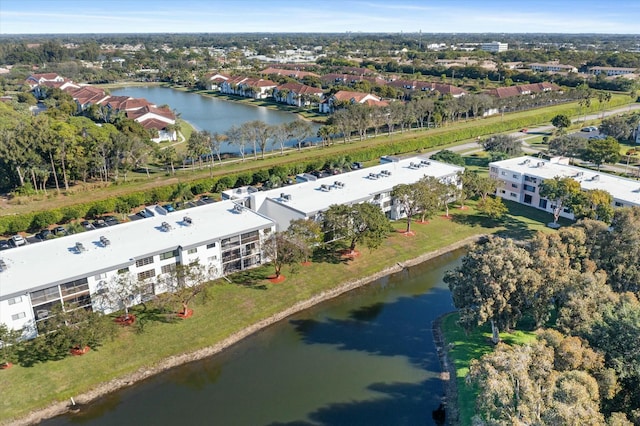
[(426, 86), (297, 74), (125, 103), (295, 93), (214, 81), (341, 96), (160, 119), (256, 88), (35, 80), (522, 89), (86, 96)]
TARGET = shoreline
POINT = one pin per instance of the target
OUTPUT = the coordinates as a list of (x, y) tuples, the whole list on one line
[(447, 372), (122, 382)]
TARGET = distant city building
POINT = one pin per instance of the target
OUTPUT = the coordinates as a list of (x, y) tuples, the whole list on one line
[(494, 46)]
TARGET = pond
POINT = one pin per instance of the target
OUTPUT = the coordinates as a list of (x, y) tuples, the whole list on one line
[(210, 113), (366, 357)]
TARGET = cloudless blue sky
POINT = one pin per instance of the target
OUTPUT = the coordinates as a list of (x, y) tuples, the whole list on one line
[(389, 16)]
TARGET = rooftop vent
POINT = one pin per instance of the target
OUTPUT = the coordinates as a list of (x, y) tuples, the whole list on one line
[(166, 227), (425, 163), (541, 164), (187, 220), (338, 184), (385, 173), (595, 178), (527, 161), (105, 241), (413, 165), (80, 247), (3, 265), (287, 197), (373, 176), (325, 188), (238, 208)]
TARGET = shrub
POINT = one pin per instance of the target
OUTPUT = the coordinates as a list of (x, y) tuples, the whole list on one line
[(45, 218)]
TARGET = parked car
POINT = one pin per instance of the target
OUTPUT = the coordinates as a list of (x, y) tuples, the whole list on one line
[(590, 129), (111, 220), (43, 234), (18, 240), (5, 244), (99, 224), (87, 225), (169, 208), (59, 231), (143, 213)]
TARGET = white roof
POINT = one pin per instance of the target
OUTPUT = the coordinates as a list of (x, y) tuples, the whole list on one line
[(309, 198), (621, 189), (57, 260)]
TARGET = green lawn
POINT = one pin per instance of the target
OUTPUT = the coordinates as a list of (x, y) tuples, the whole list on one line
[(465, 347), (233, 306)]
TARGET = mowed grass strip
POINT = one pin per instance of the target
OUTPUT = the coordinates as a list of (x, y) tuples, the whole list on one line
[(231, 307), (463, 348)]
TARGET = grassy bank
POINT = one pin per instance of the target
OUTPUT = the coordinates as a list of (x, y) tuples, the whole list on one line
[(463, 348), (232, 307)]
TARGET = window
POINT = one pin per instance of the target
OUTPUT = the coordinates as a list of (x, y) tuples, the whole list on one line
[(514, 185), (529, 188), (101, 276), (515, 176), (530, 179), (494, 169), (73, 287), (513, 195), (618, 204), (169, 255), (211, 245), (167, 269), (18, 316), (527, 199), (15, 300), (144, 261), (542, 204), (193, 250), (123, 270), (146, 274), (42, 296), (503, 173)]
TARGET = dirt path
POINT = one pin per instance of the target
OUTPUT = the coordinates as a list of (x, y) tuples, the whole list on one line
[(176, 360)]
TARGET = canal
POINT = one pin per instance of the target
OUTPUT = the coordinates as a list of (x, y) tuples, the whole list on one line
[(209, 113), (364, 358)]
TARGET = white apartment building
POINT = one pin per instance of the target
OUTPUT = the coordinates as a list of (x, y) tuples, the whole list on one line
[(519, 180), (78, 268), (552, 67), (612, 71), (307, 200), (224, 237), (494, 46)]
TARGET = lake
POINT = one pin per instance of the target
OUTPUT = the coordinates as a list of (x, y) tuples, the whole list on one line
[(210, 113), (364, 358)]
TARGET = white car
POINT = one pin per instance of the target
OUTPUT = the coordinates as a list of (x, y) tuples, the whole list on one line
[(590, 129), (18, 240)]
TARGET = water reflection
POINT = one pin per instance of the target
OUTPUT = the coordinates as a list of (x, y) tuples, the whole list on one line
[(366, 357)]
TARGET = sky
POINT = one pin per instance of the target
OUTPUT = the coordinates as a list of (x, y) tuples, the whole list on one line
[(326, 16)]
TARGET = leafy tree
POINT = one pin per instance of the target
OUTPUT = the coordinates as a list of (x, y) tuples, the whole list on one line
[(428, 195), (359, 223), (492, 207), (183, 283), (560, 191), (281, 250), (449, 157), (507, 144), (567, 146), (616, 127), (601, 151), (9, 344), (198, 145), (561, 122), (300, 130), (491, 284), (593, 204), (408, 198), (307, 233)]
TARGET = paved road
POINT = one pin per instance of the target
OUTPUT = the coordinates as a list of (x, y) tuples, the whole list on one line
[(471, 147)]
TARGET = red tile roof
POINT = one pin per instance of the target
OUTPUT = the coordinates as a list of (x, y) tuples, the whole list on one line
[(522, 89), (300, 88)]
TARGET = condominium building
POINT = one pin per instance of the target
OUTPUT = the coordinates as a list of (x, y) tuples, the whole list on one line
[(224, 237), (78, 269), (519, 180)]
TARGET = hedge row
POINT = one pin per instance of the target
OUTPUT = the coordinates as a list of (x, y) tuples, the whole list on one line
[(126, 203)]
